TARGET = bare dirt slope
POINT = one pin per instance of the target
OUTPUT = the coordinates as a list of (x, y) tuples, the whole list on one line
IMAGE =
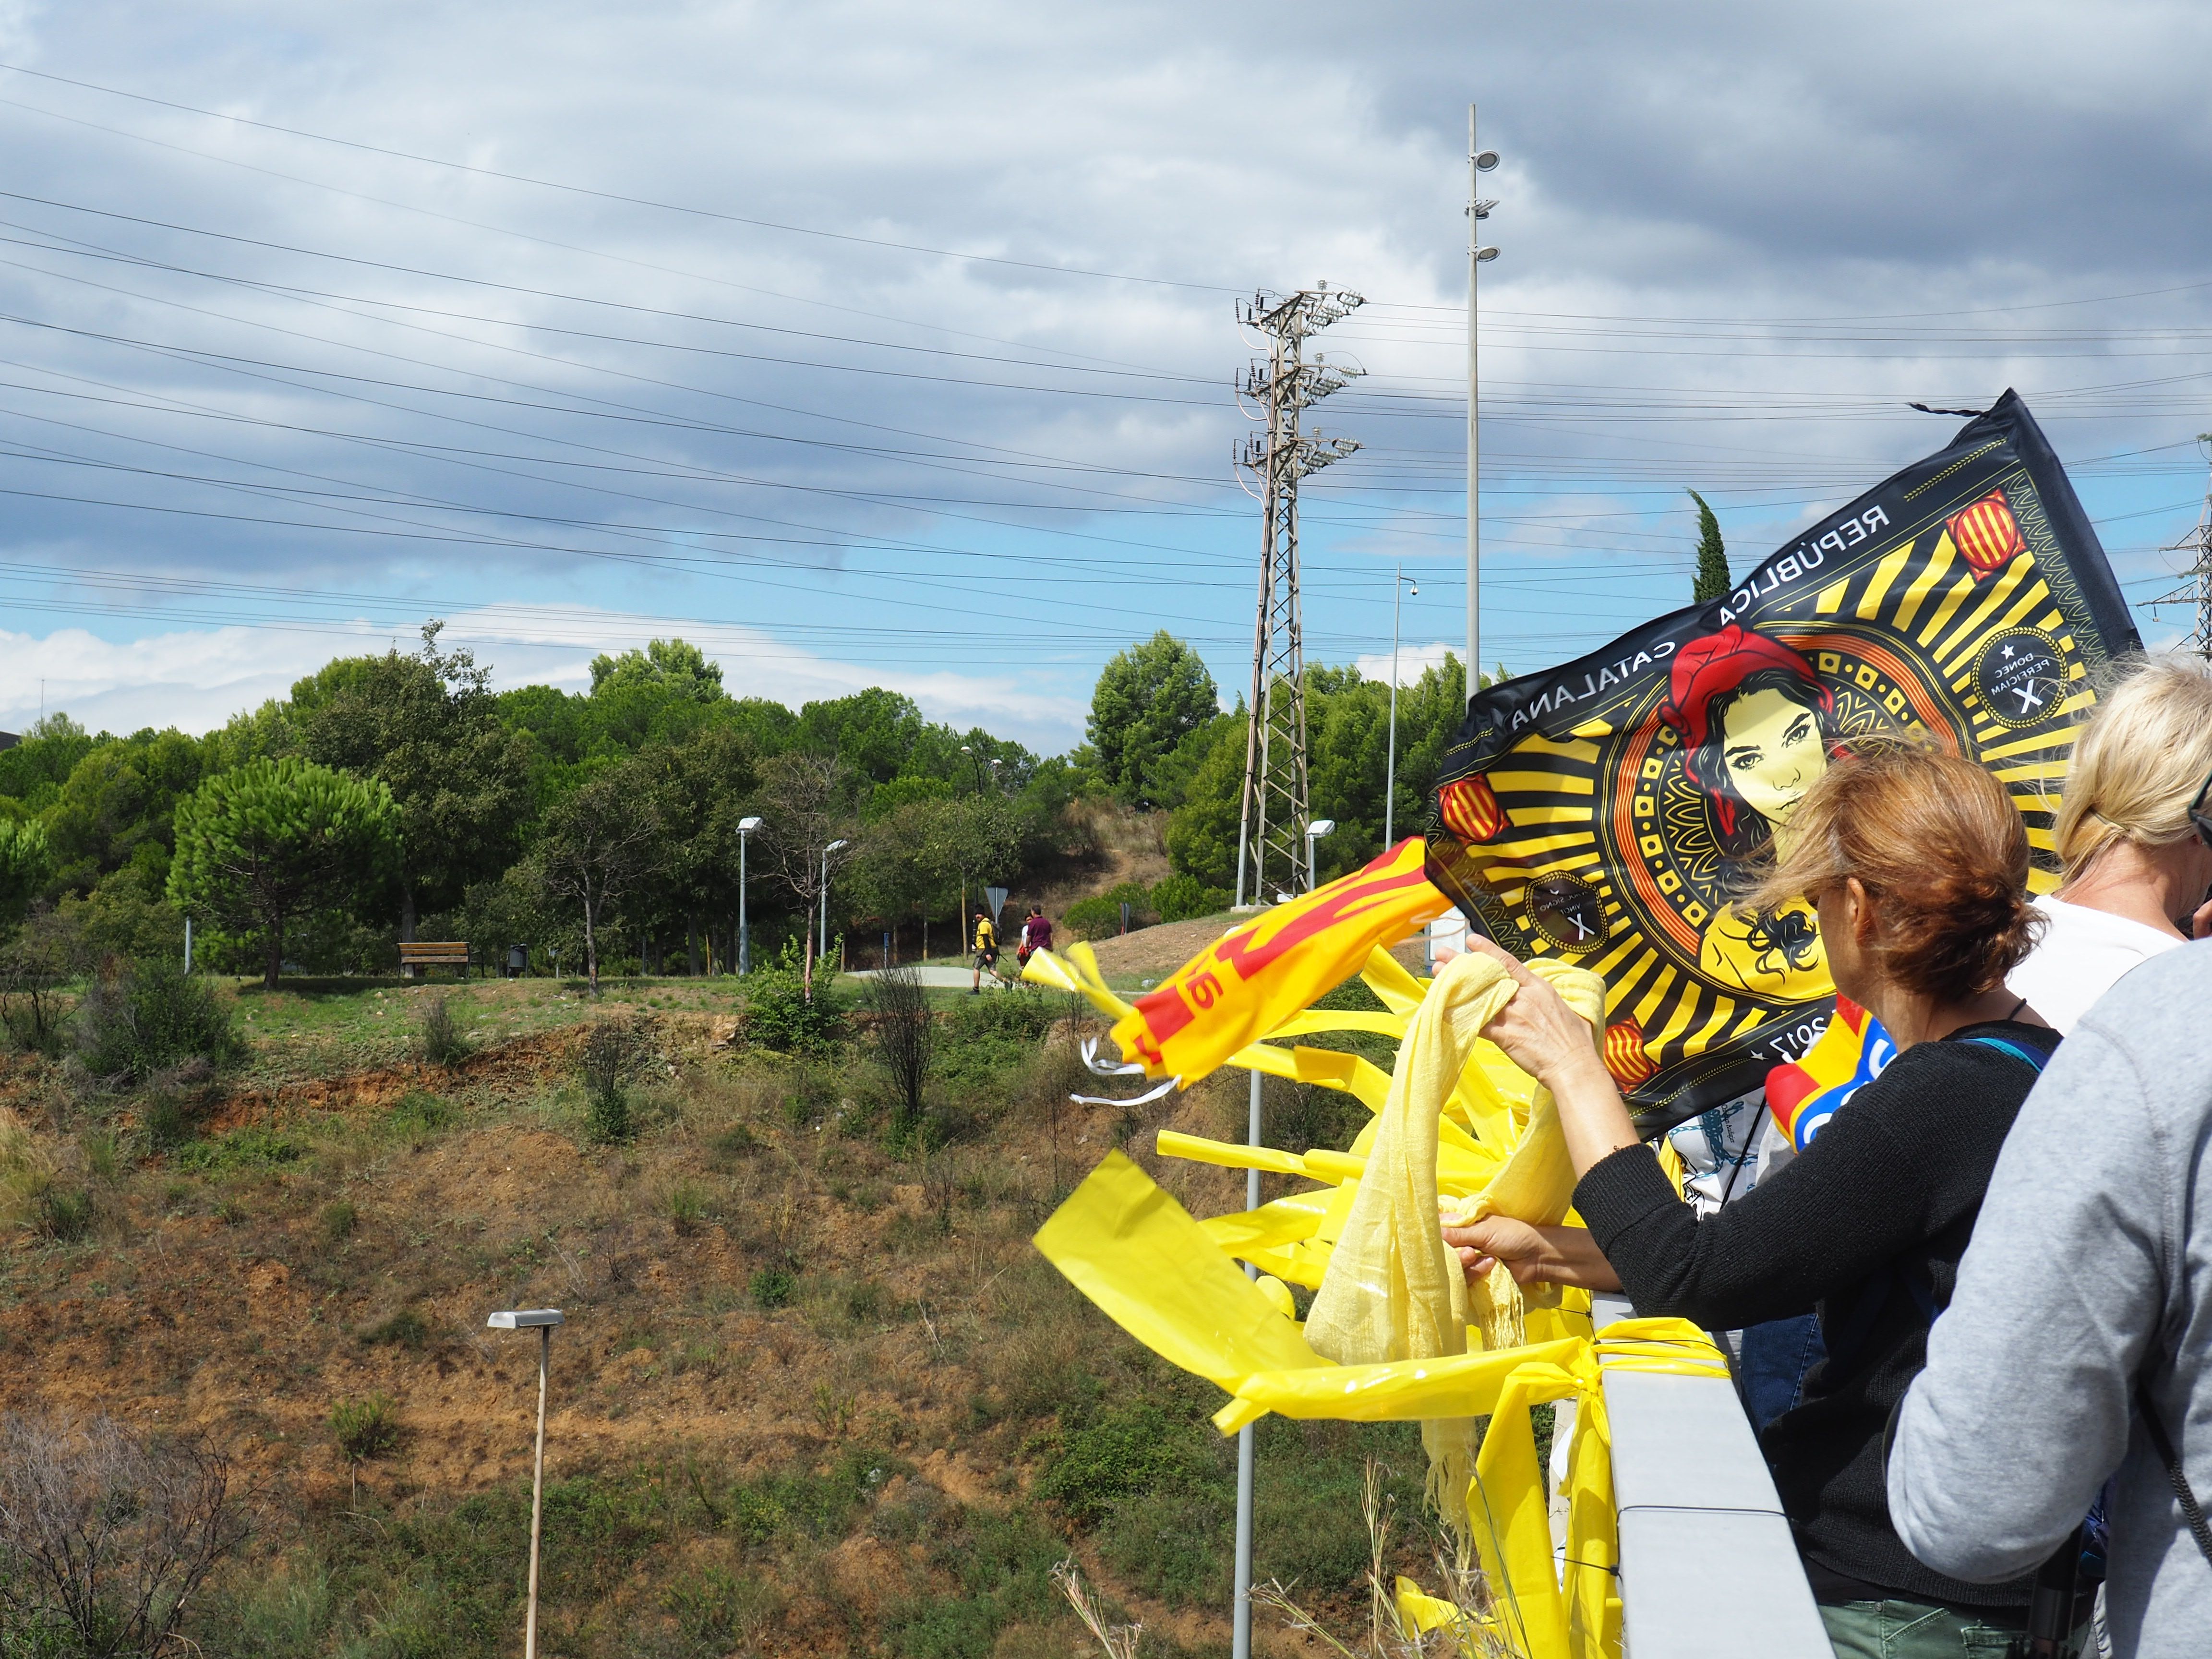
[(332, 1240)]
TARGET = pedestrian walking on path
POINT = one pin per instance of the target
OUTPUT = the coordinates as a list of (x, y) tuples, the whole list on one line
[(1037, 935), (987, 953)]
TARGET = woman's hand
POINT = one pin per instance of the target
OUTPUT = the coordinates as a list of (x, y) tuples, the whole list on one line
[(1554, 1044), (1538, 1031), (1536, 1255)]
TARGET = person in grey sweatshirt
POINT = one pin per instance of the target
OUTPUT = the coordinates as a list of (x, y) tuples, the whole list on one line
[(2090, 1269)]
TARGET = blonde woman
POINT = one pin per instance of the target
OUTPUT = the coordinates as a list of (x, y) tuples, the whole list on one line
[(2137, 871)]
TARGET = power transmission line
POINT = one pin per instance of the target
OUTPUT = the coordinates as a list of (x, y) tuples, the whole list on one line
[(1275, 814), (2198, 590)]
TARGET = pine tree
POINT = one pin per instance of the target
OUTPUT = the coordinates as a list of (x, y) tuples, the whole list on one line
[(1712, 579)]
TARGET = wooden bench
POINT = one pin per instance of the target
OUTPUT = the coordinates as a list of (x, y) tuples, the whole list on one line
[(429, 953)]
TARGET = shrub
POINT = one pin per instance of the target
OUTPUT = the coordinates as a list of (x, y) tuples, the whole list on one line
[(417, 1115), (905, 1037), (989, 1038), (104, 1537), (35, 967), (167, 1122), (717, 1611), (405, 1329), (1175, 1547), (61, 1213), (614, 1050), (1303, 1115), (1311, 1481), (773, 1287), (251, 1148), (778, 1014), (338, 1221), (438, 1041), (734, 1143), (1096, 917), (686, 1206), (1130, 1450), (1002, 1565), (153, 1017), (1186, 898), (366, 1428)]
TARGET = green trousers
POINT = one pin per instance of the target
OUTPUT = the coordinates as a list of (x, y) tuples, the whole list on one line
[(1915, 1630)]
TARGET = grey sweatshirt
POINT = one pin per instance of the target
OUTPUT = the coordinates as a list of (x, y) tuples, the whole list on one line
[(2091, 1262)]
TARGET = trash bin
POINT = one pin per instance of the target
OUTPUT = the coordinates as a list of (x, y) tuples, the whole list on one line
[(518, 961)]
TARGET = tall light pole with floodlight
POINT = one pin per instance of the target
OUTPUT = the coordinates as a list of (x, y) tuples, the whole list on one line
[(1242, 1633), (822, 946), (1399, 586), (745, 827), (1478, 161), (541, 1319)]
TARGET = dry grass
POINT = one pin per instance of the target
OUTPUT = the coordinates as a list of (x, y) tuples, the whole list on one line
[(344, 1236)]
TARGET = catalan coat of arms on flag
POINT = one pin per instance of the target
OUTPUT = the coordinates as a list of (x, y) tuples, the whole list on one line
[(1614, 810)]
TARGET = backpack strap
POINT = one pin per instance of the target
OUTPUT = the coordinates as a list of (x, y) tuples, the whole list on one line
[(2190, 1512), (2020, 1051), (1843, 1344)]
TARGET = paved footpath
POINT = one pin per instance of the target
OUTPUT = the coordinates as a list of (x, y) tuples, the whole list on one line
[(945, 978)]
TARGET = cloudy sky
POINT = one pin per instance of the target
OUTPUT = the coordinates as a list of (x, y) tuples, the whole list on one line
[(868, 343)]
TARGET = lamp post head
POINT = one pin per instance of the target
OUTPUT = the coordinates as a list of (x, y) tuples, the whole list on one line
[(832, 847), (1413, 592), (1319, 828), (965, 749), (523, 1319), (746, 826)]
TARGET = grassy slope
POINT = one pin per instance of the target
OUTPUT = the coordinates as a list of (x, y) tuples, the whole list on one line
[(887, 1461)]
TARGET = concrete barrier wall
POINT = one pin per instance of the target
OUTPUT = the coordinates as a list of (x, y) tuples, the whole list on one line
[(1708, 1569)]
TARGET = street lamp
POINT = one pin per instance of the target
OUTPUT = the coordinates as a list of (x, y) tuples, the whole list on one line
[(1315, 830), (541, 1319), (821, 948), (745, 827), (1398, 587), (968, 749)]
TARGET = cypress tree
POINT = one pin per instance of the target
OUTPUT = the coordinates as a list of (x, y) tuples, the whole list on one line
[(1712, 579)]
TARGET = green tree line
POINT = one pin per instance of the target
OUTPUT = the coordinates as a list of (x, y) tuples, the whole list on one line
[(398, 796)]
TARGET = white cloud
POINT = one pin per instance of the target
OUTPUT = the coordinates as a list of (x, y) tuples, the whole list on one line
[(1413, 660), (197, 679), (491, 392)]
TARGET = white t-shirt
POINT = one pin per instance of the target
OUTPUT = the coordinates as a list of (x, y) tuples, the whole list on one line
[(2081, 954)]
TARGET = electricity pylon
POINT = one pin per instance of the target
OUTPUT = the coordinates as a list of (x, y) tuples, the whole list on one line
[(2198, 590), (1270, 838)]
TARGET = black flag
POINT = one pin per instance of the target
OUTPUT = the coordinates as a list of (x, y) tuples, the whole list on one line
[(1611, 811)]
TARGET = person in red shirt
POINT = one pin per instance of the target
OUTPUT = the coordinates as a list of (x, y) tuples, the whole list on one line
[(1037, 935)]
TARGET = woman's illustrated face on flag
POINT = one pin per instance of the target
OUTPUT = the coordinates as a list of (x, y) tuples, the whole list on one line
[(1770, 744), (1753, 721)]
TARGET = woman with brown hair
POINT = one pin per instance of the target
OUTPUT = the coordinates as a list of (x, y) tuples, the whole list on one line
[(1917, 864)]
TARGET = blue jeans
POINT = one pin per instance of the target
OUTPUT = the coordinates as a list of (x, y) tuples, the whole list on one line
[(1772, 1364)]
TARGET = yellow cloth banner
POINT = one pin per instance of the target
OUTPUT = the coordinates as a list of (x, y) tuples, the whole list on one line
[(1163, 1278), (1247, 982)]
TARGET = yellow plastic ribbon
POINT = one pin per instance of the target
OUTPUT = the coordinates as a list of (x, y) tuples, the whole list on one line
[(1170, 1281)]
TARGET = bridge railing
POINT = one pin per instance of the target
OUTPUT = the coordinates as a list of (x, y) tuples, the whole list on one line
[(1708, 1567)]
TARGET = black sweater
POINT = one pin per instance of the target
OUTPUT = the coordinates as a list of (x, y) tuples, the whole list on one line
[(1864, 1227)]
